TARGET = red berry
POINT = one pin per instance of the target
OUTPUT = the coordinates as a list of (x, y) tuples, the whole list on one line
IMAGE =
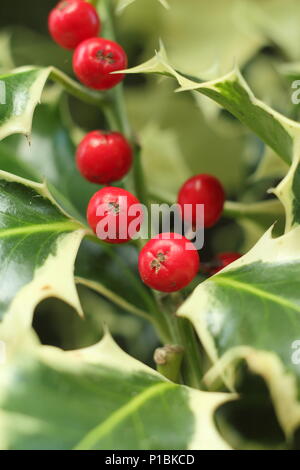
[(95, 59), (224, 259), (114, 214), (203, 189), (103, 157), (167, 263), (73, 21)]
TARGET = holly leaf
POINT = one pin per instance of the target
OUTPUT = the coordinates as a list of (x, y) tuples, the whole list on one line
[(78, 385), (251, 310), (233, 93), (38, 246), (22, 92)]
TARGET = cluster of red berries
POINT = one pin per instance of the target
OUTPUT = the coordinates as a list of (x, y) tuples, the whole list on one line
[(75, 24), (168, 262)]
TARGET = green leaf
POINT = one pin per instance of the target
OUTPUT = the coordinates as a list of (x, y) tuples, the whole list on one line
[(115, 401), (38, 246), (251, 310)]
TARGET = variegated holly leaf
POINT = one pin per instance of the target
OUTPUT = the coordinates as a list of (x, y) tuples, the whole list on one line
[(38, 247), (233, 93), (251, 310), (21, 92), (115, 401)]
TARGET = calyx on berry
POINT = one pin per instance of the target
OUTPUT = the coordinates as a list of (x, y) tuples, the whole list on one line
[(104, 157), (202, 189), (73, 21), (168, 262), (95, 59), (114, 214)]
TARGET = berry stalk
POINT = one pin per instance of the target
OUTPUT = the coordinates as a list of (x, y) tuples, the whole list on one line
[(79, 91)]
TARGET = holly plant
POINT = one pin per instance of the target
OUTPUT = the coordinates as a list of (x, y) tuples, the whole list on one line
[(109, 340)]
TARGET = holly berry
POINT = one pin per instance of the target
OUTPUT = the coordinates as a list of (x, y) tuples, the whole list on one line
[(224, 259), (202, 189), (73, 21), (95, 59), (167, 263), (114, 214), (103, 157)]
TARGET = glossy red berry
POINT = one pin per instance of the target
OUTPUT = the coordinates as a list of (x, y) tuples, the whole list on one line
[(103, 157), (95, 59), (167, 263), (114, 214), (203, 189), (224, 259), (73, 21)]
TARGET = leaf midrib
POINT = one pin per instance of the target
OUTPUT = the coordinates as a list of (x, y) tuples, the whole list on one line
[(255, 291), (104, 428), (39, 228)]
